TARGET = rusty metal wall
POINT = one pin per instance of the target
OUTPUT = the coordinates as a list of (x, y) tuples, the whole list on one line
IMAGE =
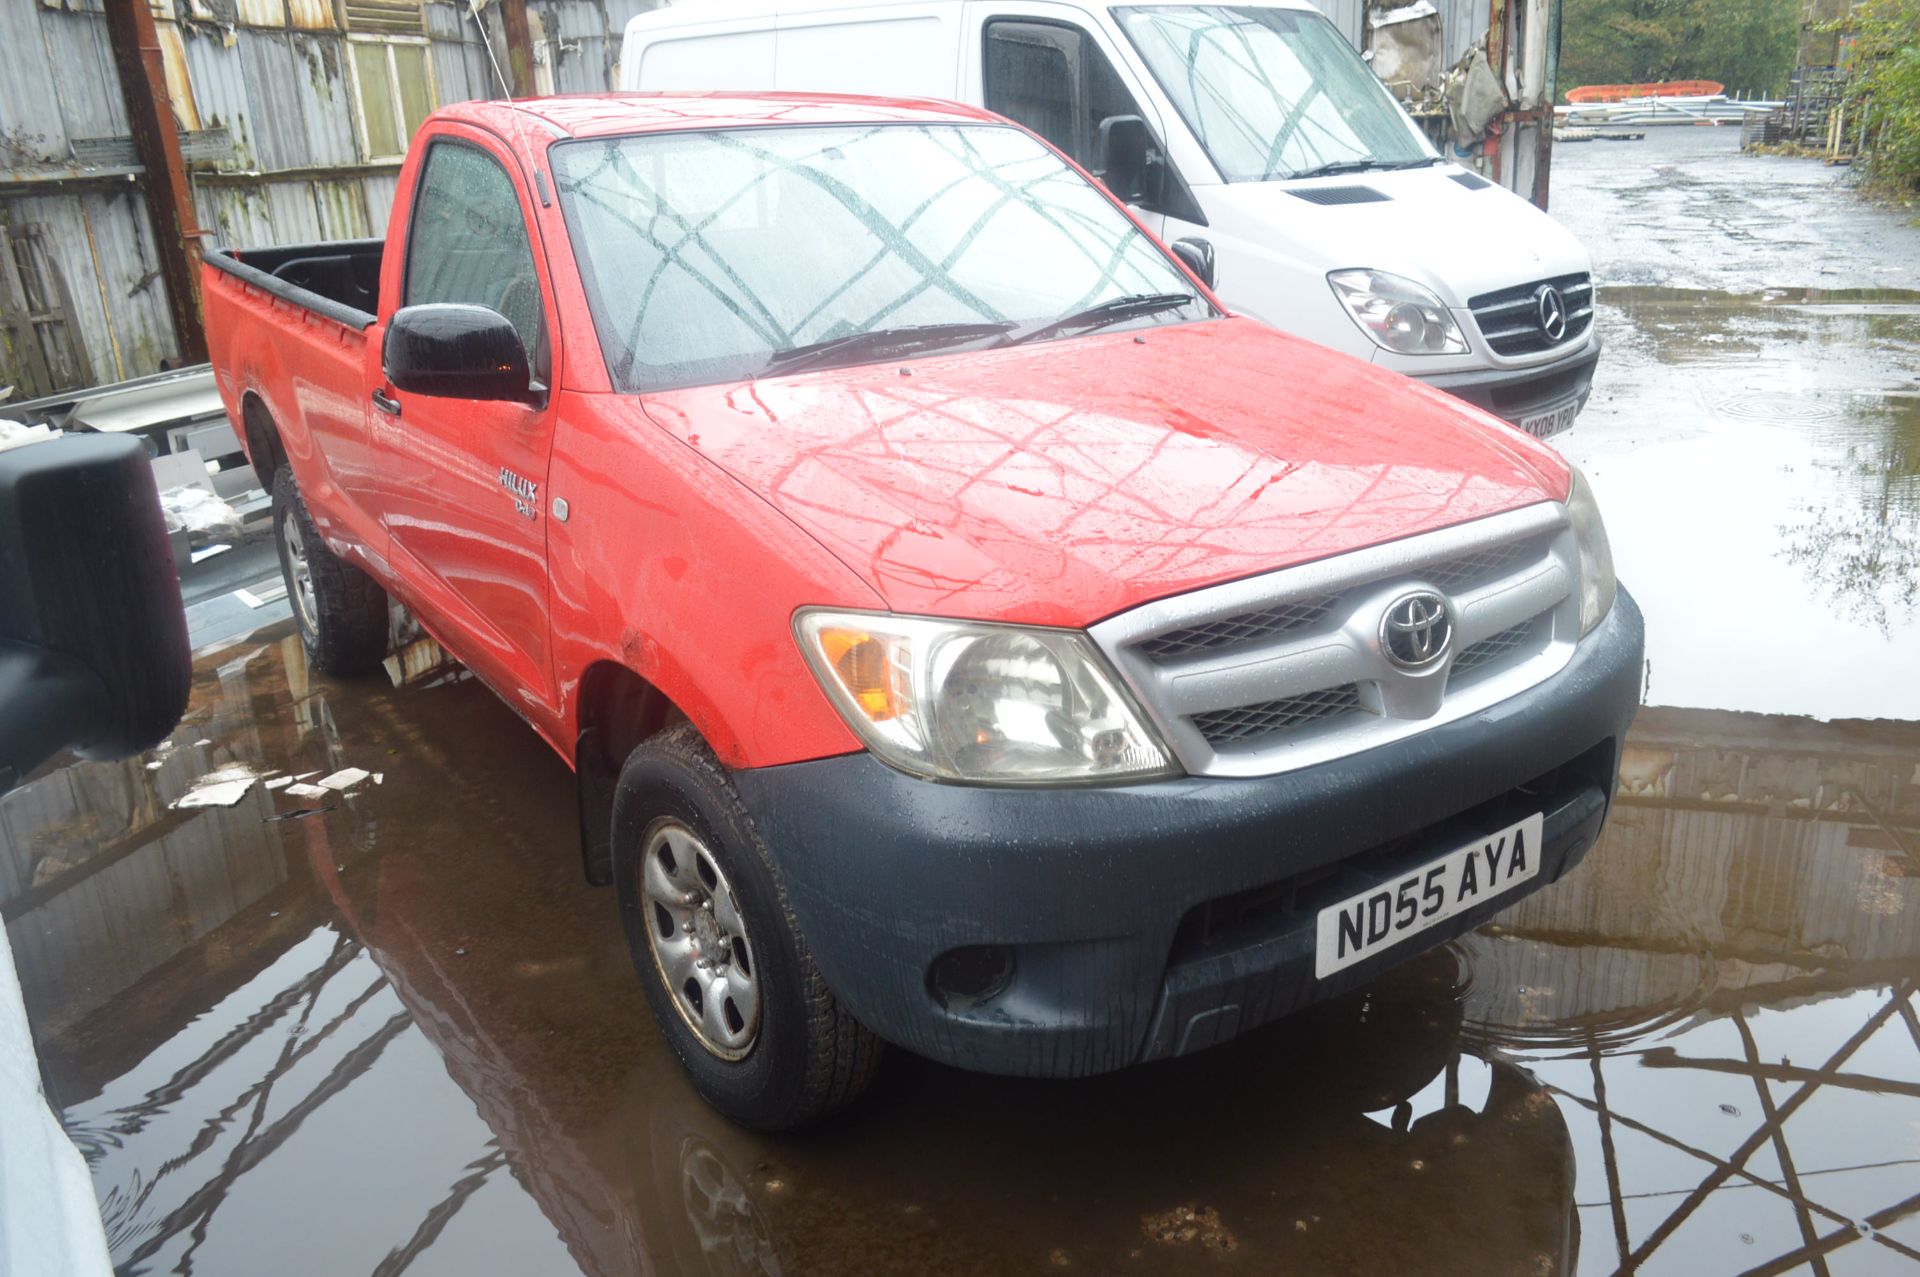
[(265, 94), (66, 169)]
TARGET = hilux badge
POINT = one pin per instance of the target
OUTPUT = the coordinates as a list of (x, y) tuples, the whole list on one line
[(525, 493)]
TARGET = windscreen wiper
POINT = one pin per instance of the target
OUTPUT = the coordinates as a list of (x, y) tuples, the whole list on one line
[(1111, 311), (905, 339), (1363, 166), (1340, 166)]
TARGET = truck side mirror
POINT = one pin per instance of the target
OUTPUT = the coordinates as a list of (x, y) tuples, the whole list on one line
[(448, 351), (1197, 254), (93, 636), (1127, 161)]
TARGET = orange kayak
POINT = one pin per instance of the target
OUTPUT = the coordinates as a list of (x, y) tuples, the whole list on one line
[(1660, 89)]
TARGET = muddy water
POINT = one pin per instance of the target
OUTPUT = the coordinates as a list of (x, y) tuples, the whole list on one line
[(398, 1034), (1754, 433)]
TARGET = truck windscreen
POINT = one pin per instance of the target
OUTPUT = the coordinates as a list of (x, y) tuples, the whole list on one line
[(1272, 93), (718, 255)]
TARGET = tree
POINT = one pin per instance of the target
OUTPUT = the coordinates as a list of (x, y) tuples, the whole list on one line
[(1747, 45), (1886, 91)]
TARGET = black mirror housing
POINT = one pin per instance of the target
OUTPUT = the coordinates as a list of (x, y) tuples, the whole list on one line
[(1197, 254), (1128, 160), (446, 351), (93, 636)]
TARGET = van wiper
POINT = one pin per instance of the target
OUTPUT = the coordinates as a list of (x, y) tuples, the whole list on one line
[(1340, 166), (905, 339), (1111, 311), (1362, 166)]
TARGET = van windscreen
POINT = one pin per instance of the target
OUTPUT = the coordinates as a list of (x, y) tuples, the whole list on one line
[(725, 254), (1272, 93)]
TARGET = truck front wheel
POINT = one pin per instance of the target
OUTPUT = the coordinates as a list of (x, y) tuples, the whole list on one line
[(727, 974), (340, 611)]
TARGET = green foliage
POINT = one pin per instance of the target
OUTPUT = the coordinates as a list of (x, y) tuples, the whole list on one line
[(1886, 87), (1747, 45)]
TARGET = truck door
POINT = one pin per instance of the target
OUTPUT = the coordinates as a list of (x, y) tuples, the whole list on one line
[(466, 504), (1042, 67)]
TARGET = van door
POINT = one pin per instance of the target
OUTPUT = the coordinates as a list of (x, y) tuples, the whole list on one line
[(1044, 66)]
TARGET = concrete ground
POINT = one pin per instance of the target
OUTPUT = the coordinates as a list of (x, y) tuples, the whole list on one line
[(389, 1030)]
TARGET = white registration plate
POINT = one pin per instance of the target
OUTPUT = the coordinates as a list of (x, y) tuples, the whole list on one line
[(1547, 424), (1360, 926)]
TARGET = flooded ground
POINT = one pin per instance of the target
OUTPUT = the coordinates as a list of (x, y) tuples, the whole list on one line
[(389, 1030), (1754, 434)]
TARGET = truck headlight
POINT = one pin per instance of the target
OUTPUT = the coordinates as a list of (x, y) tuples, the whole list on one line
[(986, 704), (1597, 585), (1397, 313)]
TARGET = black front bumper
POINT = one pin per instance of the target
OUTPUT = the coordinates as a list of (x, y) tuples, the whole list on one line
[(1514, 394), (1153, 920)]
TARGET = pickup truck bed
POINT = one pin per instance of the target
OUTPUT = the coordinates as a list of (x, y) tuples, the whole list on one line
[(340, 279)]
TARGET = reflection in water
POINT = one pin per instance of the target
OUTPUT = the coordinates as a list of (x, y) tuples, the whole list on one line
[(404, 1038), (1763, 450)]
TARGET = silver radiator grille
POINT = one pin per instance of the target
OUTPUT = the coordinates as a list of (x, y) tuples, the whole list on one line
[(1299, 614), (1287, 669), (1510, 319), (1223, 726)]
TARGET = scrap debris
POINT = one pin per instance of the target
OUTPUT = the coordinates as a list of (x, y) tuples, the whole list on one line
[(1184, 1225), (222, 788), (344, 779)]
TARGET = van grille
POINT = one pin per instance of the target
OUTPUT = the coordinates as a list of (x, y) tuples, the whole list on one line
[(1510, 320)]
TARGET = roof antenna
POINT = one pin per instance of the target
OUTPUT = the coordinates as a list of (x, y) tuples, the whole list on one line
[(506, 93)]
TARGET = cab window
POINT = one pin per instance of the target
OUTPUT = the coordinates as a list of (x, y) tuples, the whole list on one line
[(468, 244)]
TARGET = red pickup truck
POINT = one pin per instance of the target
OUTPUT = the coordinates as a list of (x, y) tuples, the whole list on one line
[(965, 634)]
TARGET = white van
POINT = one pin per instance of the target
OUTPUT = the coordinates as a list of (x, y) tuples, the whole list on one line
[(1255, 127)]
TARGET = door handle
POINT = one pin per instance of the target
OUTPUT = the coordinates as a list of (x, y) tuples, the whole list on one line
[(386, 403)]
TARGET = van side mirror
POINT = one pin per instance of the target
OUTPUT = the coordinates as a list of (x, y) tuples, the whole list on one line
[(1197, 254), (93, 635), (1127, 161), (447, 351)]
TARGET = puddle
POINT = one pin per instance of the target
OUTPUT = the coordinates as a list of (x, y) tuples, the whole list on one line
[(404, 1036), (1758, 459)]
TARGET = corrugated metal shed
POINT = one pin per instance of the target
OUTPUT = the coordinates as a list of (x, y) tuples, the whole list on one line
[(273, 114), (1348, 15)]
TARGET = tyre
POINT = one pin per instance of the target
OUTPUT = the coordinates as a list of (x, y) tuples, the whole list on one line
[(726, 971), (340, 611)]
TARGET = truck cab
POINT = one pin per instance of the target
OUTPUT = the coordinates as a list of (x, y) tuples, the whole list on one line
[(1253, 126)]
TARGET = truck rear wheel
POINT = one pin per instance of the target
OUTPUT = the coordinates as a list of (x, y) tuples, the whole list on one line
[(727, 973), (340, 611)]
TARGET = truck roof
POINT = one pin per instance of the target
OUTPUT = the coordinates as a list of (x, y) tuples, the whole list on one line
[(604, 114)]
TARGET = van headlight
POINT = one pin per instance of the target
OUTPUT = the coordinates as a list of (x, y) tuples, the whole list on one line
[(1597, 584), (1397, 313), (985, 704)]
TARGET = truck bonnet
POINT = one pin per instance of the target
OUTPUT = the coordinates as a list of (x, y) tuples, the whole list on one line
[(1063, 482)]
